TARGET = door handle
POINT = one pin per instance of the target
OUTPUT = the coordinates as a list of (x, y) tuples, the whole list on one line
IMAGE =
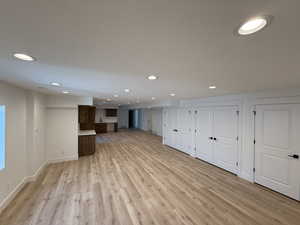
[(294, 156), (175, 130)]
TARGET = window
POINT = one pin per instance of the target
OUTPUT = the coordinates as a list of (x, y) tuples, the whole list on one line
[(2, 137)]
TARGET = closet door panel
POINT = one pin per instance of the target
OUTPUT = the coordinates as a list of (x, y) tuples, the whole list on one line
[(185, 130), (173, 128), (203, 127), (225, 130), (167, 133)]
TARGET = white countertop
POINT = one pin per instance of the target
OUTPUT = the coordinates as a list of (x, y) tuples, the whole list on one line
[(86, 132)]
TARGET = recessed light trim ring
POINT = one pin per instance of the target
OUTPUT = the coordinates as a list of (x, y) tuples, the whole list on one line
[(253, 25), (56, 84), (152, 77), (23, 57)]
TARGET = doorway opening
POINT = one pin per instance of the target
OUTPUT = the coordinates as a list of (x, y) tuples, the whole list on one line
[(133, 119)]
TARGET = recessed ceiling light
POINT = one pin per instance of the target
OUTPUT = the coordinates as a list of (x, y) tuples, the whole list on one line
[(65, 92), (152, 77), (172, 94), (23, 57), (127, 90), (153, 98), (212, 87), (55, 84), (253, 25), (116, 96)]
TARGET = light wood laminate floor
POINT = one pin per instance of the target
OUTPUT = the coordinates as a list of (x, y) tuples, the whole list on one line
[(134, 179)]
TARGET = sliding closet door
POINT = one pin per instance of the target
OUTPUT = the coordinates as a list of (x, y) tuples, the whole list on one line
[(225, 133), (203, 134)]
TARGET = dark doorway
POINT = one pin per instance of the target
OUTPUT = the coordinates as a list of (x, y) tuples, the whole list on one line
[(131, 119)]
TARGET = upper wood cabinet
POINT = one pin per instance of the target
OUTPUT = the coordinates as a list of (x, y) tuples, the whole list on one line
[(86, 117), (111, 112), (83, 113)]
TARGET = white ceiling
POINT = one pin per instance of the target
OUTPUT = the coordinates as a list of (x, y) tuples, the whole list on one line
[(100, 47)]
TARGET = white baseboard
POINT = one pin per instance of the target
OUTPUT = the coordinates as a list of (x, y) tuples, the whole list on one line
[(28, 179), (12, 195), (65, 159), (246, 176), (37, 173)]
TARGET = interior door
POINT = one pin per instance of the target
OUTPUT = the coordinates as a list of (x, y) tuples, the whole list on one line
[(165, 126), (203, 134), (277, 148), (168, 127), (225, 130), (172, 128), (185, 130)]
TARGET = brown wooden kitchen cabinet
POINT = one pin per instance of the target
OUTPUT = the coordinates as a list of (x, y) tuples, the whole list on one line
[(86, 145), (86, 117), (111, 112), (100, 128), (106, 127)]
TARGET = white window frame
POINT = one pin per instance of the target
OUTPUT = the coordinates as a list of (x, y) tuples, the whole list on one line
[(3, 139)]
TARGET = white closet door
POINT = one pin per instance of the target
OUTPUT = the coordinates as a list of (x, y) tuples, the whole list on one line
[(169, 127), (225, 130), (174, 142), (166, 126), (277, 129), (185, 130), (203, 126)]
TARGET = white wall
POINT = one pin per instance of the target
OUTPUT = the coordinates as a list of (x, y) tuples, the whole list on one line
[(151, 120), (62, 126), (25, 152), (146, 120), (62, 134), (123, 117), (67, 101), (16, 160), (35, 131), (157, 121)]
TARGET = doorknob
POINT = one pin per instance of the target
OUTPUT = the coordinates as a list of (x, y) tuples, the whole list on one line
[(215, 139), (211, 138), (294, 156)]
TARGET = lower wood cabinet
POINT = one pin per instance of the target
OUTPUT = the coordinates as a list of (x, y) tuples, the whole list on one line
[(106, 127), (100, 128), (86, 145)]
